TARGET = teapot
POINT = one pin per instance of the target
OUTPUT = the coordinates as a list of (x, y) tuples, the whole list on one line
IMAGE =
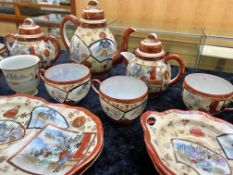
[(30, 40), (93, 44), (150, 64)]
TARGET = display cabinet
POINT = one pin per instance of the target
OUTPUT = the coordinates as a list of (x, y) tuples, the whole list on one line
[(179, 39), (217, 51), (17, 10)]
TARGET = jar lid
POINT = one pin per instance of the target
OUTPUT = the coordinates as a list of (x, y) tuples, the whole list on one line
[(93, 14), (150, 47), (29, 29)]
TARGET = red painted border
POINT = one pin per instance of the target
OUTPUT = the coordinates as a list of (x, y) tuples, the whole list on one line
[(67, 82), (117, 100), (211, 96), (99, 129), (159, 165)]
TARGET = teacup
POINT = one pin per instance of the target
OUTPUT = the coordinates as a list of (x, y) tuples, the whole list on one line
[(67, 83), (21, 73), (122, 98), (207, 93)]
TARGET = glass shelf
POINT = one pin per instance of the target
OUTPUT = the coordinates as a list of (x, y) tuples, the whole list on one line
[(218, 50), (179, 39)]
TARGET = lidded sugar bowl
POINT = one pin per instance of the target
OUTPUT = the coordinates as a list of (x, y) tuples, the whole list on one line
[(93, 44), (150, 64), (31, 40)]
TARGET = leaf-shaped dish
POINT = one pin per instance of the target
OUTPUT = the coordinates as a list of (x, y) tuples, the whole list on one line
[(188, 142), (58, 139)]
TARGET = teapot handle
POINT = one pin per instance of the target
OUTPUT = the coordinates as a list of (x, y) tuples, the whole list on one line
[(56, 44), (180, 61), (6, 41), (63, 28)]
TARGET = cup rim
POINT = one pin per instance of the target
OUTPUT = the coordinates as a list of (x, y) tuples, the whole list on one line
[(88, 75), (209, 95), (120, 100), (19, 69)]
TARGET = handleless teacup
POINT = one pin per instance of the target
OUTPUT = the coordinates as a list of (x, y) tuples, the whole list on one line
[(21, 73)]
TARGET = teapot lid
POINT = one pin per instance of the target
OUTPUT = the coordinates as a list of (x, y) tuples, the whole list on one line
[(150, 47), (92, 14), (29, 29)]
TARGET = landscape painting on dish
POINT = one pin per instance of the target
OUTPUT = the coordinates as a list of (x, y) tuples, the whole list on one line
[(10, 131), (43, 115), (202, 159), (51, 151)]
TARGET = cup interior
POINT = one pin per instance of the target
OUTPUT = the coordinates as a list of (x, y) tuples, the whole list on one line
[(209, 84), (66, 72), (123, 87), (19, 62)]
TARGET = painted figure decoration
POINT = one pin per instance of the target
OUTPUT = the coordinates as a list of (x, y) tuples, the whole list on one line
[(37, 137), (150, 64), (93, 44), (30, 40), (207, 93), (122, 98), (188, 142), (67, 83)]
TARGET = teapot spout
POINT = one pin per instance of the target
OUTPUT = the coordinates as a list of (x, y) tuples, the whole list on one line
[(117, 58), (127, 56)]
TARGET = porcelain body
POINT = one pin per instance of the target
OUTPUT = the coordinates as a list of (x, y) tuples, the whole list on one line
[(30, 40), (50, 135), (94, 48), (122, 98), (207, 93), (93, 44), (67, 83), (188, 142), (150, 64), (21, 73)]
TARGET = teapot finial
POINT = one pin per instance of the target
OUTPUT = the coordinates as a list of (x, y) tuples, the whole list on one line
[(153, 36), (93, 3), (28, 21)]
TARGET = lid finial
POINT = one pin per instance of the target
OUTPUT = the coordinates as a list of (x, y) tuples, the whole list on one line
[(28, 21), (92, 14), (150, 47), (153, 36)]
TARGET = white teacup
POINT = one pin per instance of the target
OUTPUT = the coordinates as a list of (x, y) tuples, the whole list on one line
[(122, 98), (207, 93), (21, 73)]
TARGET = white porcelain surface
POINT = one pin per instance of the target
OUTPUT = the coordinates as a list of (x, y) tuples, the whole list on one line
[(19, 62), (209, 84), (123, 87), (122, 112), (44, 49), (122, 98), (94, 48), (67, 83), (188, 142), (21, 73), (206, 92), (25, 151), (67, 72)]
